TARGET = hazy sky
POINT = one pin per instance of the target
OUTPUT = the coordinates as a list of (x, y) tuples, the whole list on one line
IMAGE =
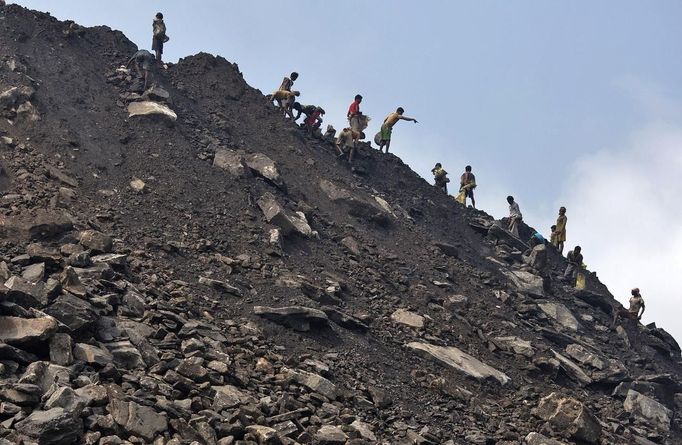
[(557, 103)]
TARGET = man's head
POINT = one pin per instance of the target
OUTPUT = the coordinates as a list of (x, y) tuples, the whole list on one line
[(467, 169), (400, 110), (635, 291), (159, 15), (510, 199), (562, 210), (358, 98), (577, 249), (297, 106), (438, 165), (553, 228), (294, 76)]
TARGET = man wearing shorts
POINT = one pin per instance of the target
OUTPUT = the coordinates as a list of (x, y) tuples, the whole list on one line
[(387, 127), (467, 184)]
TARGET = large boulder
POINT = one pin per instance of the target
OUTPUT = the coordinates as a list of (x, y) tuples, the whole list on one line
[(55, 426), (460, 361), (149, 108), (299, 318), (537, 257), (138, 420), (265, 167), (25, 293), (569, 417), (72, 311), (526, 282), (18, 331), (276, 214), (561, 315), (648, 410), (355, 205), (232, 162), (96, 241)]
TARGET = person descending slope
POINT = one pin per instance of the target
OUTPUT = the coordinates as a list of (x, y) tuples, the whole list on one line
[(387, 127), (307, 110), (632, 313), (354, 113), (467, 184), (440, 177), (575, 263), (346, 142), (160, 37), (288, 82), (142, 60), (285, 101), (314, 120), (515, 216), (561, 230)]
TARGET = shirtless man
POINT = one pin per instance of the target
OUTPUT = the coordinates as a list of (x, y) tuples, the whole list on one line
[(633, 312), (387, 127)]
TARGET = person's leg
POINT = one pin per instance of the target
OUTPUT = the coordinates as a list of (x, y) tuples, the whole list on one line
[(388, 145), (146, 78), (473, 201), (560, 247), (351, 153)]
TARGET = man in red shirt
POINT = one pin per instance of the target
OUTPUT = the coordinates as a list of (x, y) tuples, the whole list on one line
[(314, 121), (354, 112)]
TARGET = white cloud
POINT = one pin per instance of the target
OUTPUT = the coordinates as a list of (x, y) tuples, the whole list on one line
[(624, 210)]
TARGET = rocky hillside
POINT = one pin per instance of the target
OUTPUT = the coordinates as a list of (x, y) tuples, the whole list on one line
[(185, 266)]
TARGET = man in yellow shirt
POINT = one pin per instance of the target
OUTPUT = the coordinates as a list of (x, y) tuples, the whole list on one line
[(387, 127), (561, 230)]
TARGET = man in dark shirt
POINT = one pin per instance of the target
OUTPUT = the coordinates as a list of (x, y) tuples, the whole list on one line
[(575, 261)]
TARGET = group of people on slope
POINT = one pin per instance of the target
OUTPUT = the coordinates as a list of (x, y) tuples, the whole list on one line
[(285, 98), (574, 257)]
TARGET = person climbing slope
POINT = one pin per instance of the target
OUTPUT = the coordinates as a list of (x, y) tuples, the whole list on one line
[(515, 216), (314, 120), (160, 37), (142, 60), (285, 100), (440, 177), (387, 127), (561, 230), (633, 312), (575, 262), (288, 82), (467, 184), (307, 110), (346, 142)]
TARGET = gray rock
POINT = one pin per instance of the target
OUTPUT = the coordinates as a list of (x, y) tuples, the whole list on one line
[(459, 361), (34, 272), (569, 417), (19, 331), (15, 96), (92, 354), (96, 241), (585, 357), (407, 318), (572, 369), (229, 396), (25, 293), (539, 439), (66, 398), (8, 352), (447, 249), (232, 162), (515, 345), (149, 108), (314, 383), (364, 430), (648, 410), (526, 282), (62, 176), (330, 435), (299, 318), (276, 214), (561, 314), (72, 311), (265, 167), (61, 349), (537, 258), (137, 419), (221, 286), (264, 434), (356, 205), (132, 305), (93, 395), (125, 355), (55, 426)]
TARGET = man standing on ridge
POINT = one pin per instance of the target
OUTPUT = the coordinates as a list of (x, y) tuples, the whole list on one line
[(467, 184), (633, 312), (288, 82), (440, 177), (354, 113), (575, 263), (561, 230), (515, 216), (387, 127), (160, 37)]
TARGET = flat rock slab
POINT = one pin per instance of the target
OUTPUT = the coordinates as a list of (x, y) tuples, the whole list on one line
[(148, 108), (460, 361), (232, 162), (264, 167), (527, 282), (299, 318), (648, 410), (407, 318), (561, 314), (515, 345), (314, 382), (15, 330), (287, 221), (138, 419), (55, 426)]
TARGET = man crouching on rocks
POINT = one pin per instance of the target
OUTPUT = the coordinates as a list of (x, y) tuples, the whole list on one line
[(142, 60)]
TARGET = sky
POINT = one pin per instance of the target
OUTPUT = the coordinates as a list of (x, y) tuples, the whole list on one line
[(556, 103)]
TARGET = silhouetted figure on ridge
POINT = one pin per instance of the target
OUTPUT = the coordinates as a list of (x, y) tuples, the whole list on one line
[(159, 35)]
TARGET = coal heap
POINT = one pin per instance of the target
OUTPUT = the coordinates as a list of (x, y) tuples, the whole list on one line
[(185, 266)]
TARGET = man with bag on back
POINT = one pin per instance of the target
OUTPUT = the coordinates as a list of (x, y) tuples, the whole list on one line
[(467, 184), (160, 37)]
